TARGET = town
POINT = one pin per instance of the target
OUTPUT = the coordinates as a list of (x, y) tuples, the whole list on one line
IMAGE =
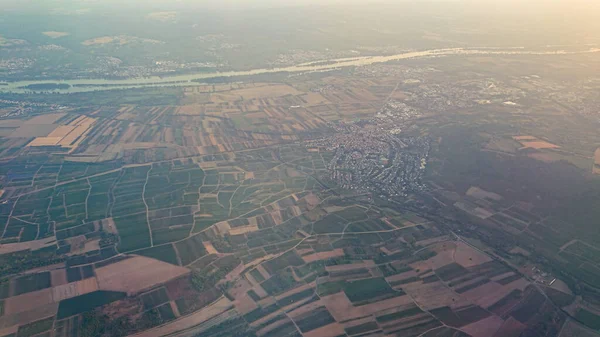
[(373, 156)]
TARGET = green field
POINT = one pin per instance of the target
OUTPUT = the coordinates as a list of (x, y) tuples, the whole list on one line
[(279, 283), (258, 313), (35, 328), (317, 318), (283, 261), (33, 282), (296, 297), (588, 318), (154, 298), (166, 312), (164, 253), (190, 249), (367, 289), (133, 231), (73, 274), (87, 302)]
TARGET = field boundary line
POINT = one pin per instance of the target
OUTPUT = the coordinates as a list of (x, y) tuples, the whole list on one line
[(146, 204)]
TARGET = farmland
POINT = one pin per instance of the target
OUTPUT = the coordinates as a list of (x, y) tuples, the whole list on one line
[(298, 252), (265, 236), (222, 209)]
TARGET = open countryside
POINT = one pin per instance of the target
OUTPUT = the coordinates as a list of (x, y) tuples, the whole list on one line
[(262, 169), (70, 86)]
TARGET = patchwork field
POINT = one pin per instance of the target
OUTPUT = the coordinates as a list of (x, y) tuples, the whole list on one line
[(246, 240), (534, 143), (216, 210), (66, 136)]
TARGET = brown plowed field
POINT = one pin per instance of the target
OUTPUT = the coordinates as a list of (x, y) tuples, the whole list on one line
[(469, 257), (137, 274), (323, 255), (484, 328), (331, 330)]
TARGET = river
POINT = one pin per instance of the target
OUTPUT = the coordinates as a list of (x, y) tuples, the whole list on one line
[(83, 85)]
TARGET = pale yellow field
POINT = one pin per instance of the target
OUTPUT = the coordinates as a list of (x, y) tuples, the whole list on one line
[(221, 228), (68, 136), (323, 255), (532, 142), (87, 286), (265, 91), (539, 144), (61, 131), (84, 121), (210, 249), (121, 40), (162, 16), (55, 35), (70, 290), (98, 40), (45, 141), (243, 230), (524, 138)]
